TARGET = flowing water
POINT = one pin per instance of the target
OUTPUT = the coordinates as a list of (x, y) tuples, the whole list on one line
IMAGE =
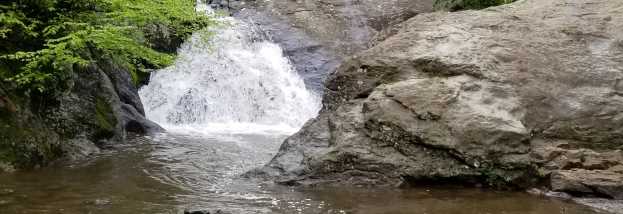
[(172, 172), (235, 82), (227, 104)]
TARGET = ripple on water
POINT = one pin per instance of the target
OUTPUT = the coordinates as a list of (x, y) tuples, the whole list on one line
[(162, 176)]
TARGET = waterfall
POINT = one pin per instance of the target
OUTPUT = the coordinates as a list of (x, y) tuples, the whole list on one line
[(236, 80)]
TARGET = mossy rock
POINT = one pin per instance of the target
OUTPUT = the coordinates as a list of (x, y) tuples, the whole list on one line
[(25, 142), (105, 117), (104, 114)]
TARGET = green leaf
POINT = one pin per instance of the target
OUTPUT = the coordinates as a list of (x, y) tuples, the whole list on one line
[(55, 36)]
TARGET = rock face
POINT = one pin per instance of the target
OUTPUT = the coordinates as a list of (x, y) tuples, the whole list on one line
[(509, 96), (318, 35), (345, 25), (100, 106), (311, 58)]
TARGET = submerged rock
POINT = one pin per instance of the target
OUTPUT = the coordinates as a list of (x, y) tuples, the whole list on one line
[(509, 96), (196, 212), (204, 212), (99, 202), (6, 191)]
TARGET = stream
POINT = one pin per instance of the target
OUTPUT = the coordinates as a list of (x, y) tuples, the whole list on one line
[(228, 103), (173, 172)]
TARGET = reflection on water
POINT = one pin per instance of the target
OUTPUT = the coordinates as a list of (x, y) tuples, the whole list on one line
[(170, 173)]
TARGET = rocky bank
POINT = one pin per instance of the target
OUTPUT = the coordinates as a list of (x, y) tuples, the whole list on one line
[(515, 96), (99, 106)]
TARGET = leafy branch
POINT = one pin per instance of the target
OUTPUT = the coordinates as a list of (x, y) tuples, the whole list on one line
[(43, 41)]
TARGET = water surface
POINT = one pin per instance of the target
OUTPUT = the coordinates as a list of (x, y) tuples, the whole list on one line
[(173, 172)]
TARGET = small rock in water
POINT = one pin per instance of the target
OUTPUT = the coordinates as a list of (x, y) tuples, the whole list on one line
[(559, 195), (536, 191), (551, 194), (6, 191), (204, 212), (99, 202), (196, 212), (3, 202)]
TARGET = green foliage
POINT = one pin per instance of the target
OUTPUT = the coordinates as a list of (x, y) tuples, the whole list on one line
[(177, 14), (43, 41), (455, 5), (12, 21)]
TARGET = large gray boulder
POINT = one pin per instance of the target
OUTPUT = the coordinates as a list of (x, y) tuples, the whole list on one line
[(509, 96)]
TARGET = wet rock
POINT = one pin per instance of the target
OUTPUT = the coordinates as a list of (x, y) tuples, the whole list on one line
[(6, 191), (136, 122), (454, 5), (196, 212), (343, 25), (20, 131), (79, 147), (461, 97), (6, 167), (559, 195), (99, 202), (162, 38), (311, 59), (98, 108), (4, 202), (610, 206), (318, 35), (130, 111), (204, 212), (102, 106), (596, 182), (543, 192)]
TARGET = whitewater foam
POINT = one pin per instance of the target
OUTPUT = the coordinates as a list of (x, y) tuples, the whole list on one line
[(236, 82)]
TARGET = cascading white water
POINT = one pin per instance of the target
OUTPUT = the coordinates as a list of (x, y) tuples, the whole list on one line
[(236, 81)]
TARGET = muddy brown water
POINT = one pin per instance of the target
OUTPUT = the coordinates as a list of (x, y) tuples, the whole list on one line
[(173, 172)]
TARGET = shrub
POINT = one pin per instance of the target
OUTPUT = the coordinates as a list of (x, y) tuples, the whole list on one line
[(43, 41)]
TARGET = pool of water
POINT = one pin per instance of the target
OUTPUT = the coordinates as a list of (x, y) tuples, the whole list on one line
[(173, 172)]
